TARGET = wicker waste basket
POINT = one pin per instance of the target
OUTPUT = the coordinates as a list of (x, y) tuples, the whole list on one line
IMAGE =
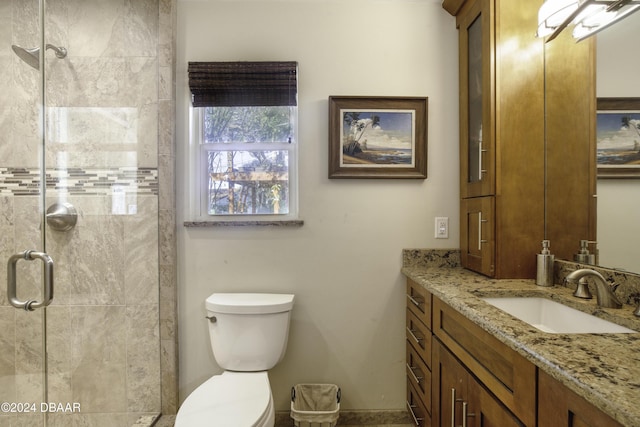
[(315, 405)]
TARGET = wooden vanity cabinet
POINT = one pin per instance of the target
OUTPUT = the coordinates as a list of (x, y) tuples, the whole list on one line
[(418, 351), (457, 372), (507, 122), (462, 399), (496, 383), (560, 407)]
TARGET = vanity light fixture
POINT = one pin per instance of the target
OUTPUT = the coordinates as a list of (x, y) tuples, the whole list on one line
[(603, 17), (587, 16), (553, 13)]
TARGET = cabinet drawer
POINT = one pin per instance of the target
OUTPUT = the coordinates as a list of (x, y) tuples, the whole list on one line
[(505, 373), (419, 415), (419, 337), (419, 302), (419, 376)]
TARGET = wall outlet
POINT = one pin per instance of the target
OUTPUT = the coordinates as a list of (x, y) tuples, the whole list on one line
[(442, 227)]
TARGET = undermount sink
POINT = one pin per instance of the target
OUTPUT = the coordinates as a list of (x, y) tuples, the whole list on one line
[(553, 317)]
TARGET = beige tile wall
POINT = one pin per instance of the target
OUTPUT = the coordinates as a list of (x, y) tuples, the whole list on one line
[(167, 205)]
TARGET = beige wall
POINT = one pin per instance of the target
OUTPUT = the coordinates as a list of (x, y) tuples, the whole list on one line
[(344, 263), (618, 202)]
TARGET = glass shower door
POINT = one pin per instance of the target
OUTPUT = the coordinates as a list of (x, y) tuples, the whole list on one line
[(25, 267)]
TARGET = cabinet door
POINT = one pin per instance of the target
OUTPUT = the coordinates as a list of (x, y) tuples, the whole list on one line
[(460, 400), (477, 134), (449, 387), (483, 410), (560, 407), (477, 234)]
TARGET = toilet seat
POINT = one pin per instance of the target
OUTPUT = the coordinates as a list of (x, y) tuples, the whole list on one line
[(232, 399)]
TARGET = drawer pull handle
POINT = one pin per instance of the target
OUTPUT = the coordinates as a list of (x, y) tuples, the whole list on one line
[(465, 415), (453, 407), (416, 301), (413, 335), (413, 374), (416, 420), (480, 221), (480, 151)]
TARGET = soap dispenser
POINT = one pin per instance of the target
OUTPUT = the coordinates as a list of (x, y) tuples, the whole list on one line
[(583, 256), (544, 276)]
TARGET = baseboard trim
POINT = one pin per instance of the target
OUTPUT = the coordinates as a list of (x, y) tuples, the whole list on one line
[(356, 418)]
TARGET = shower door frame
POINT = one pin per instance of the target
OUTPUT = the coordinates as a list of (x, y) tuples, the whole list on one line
[(29, 285)]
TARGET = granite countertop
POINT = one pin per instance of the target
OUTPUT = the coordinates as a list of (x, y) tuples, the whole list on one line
[(602, 368)]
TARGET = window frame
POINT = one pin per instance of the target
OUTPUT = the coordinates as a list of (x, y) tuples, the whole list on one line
[(198, 174)]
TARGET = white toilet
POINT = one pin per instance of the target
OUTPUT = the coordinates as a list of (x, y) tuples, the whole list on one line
[(248, 335)]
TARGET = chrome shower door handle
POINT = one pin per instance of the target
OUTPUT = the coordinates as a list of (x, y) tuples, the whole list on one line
[(47, 290)]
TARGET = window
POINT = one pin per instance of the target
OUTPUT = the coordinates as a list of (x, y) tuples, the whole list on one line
[(244, 120), (246, 153)]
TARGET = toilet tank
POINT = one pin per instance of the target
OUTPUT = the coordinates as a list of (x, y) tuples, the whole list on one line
[(248, 332)]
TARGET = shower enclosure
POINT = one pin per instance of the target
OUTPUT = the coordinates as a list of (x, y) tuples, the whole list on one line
[(80, 339)]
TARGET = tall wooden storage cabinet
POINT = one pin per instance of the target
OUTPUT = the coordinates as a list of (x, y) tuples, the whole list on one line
[(504, 132)]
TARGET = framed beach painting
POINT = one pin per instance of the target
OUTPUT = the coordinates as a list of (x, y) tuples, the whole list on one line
[(377, 137), (618, 137)]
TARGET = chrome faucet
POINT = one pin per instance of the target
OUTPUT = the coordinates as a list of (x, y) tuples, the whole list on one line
[(604, 292)]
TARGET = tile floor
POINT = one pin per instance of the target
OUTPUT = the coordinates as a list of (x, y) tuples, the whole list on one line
[(167, 421)]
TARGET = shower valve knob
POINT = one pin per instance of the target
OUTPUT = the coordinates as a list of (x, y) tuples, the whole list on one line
[(62, 216)]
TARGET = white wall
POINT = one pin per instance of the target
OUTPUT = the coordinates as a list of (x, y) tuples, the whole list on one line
[(618, 66), (344, 263)]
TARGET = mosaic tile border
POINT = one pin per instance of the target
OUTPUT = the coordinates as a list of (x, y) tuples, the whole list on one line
[(79, 181)]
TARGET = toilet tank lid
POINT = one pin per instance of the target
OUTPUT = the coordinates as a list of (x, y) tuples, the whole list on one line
[(243, 303)]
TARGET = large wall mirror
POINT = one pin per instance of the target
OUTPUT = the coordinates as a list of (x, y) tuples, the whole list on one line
[(618, 215)]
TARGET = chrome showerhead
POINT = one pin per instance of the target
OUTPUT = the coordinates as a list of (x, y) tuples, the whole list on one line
[(32, 56)]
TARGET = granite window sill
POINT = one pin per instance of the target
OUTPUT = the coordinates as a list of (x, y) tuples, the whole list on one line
[(267, 223)]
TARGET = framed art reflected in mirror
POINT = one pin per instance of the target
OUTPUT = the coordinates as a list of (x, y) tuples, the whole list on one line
[(618, 137)]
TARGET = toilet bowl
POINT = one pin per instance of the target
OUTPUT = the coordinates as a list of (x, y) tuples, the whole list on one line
[(232, 399), (249, 334)]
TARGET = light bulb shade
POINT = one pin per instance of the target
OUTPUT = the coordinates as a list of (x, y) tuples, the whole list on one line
[(588, 16), (553, 13), (587, 24)]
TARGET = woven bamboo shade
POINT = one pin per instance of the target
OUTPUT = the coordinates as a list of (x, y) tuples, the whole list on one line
[(241, 84)]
